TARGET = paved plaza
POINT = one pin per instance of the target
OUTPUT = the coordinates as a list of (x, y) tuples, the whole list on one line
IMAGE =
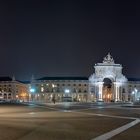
[(69, 121)]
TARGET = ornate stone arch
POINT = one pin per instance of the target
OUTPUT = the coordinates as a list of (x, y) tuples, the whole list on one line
[(108, 69)]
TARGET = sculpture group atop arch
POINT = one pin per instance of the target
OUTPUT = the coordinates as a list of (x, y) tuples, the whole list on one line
[(116, 91)]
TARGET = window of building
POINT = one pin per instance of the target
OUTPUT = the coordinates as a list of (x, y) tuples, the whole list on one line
[(58, 90), (74, 90), (47, 90), (123, 90), (9, 90), (42, 89)]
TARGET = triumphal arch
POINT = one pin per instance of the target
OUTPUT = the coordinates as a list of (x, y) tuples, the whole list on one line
[(108, 83)]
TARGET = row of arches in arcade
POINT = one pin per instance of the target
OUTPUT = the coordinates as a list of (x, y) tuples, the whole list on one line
[(5, 96)]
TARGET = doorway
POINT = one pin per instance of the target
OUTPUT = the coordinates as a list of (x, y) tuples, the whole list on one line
[(107, 90)]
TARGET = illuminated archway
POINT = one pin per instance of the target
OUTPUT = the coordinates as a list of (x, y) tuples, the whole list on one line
[(107, 69), (107, 90)]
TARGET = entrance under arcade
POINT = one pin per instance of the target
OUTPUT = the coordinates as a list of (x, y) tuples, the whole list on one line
[(107, 90)]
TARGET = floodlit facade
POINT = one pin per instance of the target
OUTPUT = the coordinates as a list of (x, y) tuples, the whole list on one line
[(134, 89), (48, 89), (13, 90), (106, 84)]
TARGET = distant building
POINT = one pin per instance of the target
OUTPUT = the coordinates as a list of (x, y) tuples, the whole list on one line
[(47, 89), (106, 84), (12, 90), (133, 89)]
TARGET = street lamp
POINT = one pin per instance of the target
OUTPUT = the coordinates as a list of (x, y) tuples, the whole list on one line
[(136, 90), (67, 91), (134, 93), (32, 90)]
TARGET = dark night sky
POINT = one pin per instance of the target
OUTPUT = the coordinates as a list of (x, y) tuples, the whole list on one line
[(66, 38)]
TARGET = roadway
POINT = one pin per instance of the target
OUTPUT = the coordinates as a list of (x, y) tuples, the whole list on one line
[(69, 121)]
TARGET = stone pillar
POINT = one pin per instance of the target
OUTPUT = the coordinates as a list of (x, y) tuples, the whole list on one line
[(100, 85), (117, 94)]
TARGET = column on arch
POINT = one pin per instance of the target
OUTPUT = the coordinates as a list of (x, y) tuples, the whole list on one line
[(100, 86), (117, 91)]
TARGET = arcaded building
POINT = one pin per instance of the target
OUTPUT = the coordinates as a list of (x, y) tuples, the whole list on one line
[(12, 90), (60, 89), (133, 88), (106, 84)]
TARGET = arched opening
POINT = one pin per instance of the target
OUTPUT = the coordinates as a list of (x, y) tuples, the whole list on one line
[(107, 90)]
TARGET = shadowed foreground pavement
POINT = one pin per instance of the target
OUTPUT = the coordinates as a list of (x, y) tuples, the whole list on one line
[(27, 122)]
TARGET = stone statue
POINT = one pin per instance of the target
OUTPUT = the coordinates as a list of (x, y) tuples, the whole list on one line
[(108, 59)]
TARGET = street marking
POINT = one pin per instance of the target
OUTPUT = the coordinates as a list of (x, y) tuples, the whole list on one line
[(127, 108), (103, 115), (48, 107), (41, 106), (95, 107), (66, 111), (114, 132), (107, 135), (32, 113)]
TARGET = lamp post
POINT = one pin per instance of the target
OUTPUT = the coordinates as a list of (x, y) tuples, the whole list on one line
[(32, 90), (134, 92), (133, 96)]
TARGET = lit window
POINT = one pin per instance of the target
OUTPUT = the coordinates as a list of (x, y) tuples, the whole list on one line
[(67, 91), (42, 89), (32, 90)]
